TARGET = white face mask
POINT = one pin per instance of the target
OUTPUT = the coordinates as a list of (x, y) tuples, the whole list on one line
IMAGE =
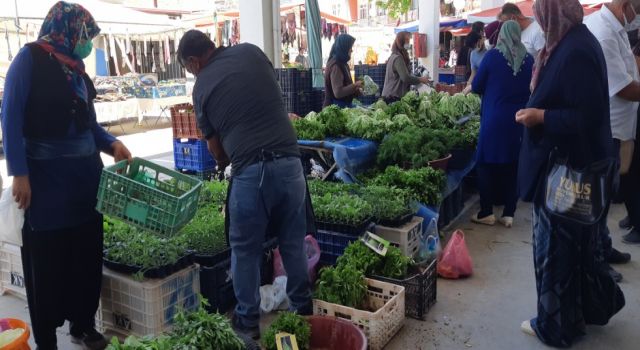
[(407, 46), (487, 44)]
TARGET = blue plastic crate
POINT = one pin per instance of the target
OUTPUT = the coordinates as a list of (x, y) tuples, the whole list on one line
[(190, 154), (332, 245)]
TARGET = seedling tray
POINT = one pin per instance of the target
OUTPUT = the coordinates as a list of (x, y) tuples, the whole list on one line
[(148, 196), (396, 222), (156, 272), (354, 230)]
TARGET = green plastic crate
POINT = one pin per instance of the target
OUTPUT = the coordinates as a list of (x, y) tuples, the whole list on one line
[(149, 196)]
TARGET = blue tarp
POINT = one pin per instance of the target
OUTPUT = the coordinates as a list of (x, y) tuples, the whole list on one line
[(454, 179), (351, 155)]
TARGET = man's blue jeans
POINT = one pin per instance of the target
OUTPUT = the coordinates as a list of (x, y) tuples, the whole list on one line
[(268, 195)]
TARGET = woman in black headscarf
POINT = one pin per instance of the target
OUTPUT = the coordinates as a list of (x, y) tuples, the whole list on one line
[(340, 89)]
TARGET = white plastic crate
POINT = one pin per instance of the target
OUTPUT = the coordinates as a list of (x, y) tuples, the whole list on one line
[(11, 273), (379, 326), (140, 308), (406, 237)]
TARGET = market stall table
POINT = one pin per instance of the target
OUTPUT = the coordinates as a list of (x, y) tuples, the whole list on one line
[(114, 112), (159, 107)]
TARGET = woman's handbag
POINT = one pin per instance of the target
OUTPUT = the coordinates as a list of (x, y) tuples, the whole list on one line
[(581, 196)]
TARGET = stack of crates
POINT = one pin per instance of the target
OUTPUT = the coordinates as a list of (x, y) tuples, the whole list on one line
[(297, 89), (139, 308), (377, 73), (317, 100), (190, 152), (11, 273)]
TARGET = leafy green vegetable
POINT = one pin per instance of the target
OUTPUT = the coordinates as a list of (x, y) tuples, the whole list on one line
[(426, 184), (205, 233), (197, 330), (362, 258), (334, 120), (414, 147), (291, 323), (341, 209), (200, 330), (387, 203), (309, 129), (343, 285)]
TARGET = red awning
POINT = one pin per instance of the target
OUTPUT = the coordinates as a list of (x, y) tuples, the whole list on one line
[(526, 6)]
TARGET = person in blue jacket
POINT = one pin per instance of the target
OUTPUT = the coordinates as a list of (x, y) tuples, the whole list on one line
[(503, 81), (52, 144), (568, 112)]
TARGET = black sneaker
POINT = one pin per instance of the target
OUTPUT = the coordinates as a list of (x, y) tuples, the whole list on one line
[(625, 223), (617, 257), (633, 237), (92, 339), (249, 332), (617, 276)]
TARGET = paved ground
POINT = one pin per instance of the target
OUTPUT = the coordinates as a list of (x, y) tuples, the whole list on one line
[(482, 312)]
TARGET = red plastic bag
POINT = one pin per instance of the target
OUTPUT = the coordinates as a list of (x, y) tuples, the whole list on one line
[(455, 261), (312, 250)]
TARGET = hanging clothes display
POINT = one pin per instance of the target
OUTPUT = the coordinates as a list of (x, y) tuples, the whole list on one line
[(154, 67), (114, 53), (167, 50), (128, 42), (161, 55), (6, 35), (144, 44), (139, 53)]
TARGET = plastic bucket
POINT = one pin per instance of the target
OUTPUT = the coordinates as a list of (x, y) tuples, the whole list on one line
[(332, 333), (22, 342)]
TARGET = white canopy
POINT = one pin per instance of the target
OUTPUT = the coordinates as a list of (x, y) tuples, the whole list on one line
[(112, 18)]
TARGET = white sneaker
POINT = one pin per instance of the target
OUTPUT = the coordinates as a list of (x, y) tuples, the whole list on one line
[(487, 220), (507, 221), (526, 328)]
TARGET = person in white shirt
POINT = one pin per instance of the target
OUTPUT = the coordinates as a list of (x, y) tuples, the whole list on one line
[(532, 35), (610, 26)]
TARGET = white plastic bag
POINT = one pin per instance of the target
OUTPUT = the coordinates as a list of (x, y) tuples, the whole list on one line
[(370, 87), (11, 217), (273, 297)]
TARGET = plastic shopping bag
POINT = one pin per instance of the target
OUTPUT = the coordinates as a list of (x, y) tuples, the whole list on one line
[(312, 249), (430, 246), (370, 88), (11, 217), (455, 261)]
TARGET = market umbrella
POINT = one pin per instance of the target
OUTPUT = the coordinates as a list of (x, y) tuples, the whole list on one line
[(314, 40)]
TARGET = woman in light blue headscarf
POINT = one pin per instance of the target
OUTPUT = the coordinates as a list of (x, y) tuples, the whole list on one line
[(52, 144), (340, 89), (503, 80)]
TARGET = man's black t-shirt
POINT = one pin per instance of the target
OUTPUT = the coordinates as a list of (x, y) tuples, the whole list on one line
[(237, 97)]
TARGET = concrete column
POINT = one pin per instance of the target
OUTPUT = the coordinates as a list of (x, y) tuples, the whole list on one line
[(260, 25), (489, 4), (429, 23)]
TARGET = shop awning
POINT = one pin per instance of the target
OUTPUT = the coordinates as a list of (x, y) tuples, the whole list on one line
[(526, 7), (283, 9), (446, 24)]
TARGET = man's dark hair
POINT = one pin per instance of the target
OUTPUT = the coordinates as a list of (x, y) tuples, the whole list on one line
[(510, 9), (194, 43), (477, 27)]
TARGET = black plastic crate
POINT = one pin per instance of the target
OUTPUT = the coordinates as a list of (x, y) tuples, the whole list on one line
[(451, 207), (317, 100), (293, 80), (420, 290), (298, 103), (368, 100), (221, 298)]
